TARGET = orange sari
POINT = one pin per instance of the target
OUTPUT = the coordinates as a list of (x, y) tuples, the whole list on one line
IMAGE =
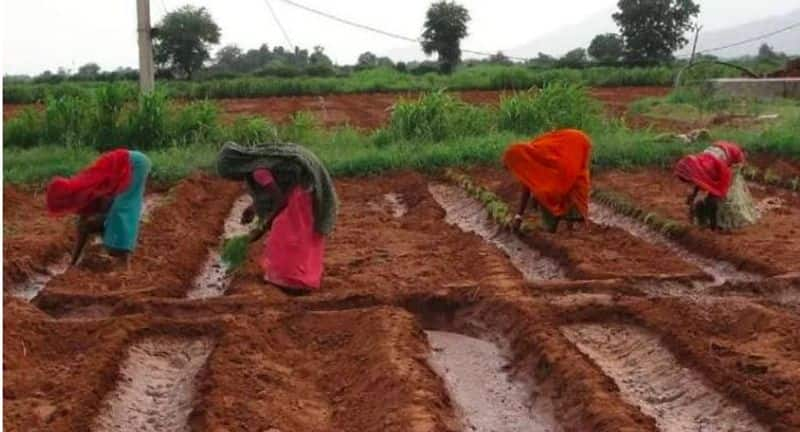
[(555, 168)]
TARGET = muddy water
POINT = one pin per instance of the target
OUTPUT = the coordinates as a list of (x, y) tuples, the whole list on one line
[(473, 371), (396, 204), (155, 391), (469, 215), (720, 271), (650, 377), (213, 279)]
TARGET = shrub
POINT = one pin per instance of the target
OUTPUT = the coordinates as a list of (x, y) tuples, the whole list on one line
[(556, 106)]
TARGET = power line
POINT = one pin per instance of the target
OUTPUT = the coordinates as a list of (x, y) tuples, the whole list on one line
[(377, 30), (278, 21), (747, 41)]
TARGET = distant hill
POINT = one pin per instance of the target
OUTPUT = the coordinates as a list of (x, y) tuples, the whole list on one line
[(580, 35), (788, 41)]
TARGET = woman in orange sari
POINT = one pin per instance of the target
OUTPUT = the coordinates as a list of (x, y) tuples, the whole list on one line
[(553, 170)]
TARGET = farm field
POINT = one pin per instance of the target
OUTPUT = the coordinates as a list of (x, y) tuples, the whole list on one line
[(422, 291), (370, 111)]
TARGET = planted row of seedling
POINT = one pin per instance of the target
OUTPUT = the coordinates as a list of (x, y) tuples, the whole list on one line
[(625, 206), (770, 177), (498, 210)]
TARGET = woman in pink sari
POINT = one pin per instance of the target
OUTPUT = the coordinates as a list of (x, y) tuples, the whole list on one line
[(295, 202)]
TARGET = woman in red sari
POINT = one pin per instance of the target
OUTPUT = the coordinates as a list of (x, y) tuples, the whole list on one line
[(294, 199)]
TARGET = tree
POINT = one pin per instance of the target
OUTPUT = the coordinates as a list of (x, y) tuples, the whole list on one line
[(653, 29), (767, 53), (499, 58), (318, 57), (367, 60), (229, 58), (89, 70), (573, 59), (607, 48), (445, 26), (183, 40)]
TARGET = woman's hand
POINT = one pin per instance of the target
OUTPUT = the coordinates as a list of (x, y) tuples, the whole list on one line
[(248, 215), (516, 223)]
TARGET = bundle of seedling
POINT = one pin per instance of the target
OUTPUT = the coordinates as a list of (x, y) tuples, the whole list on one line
[(623, 205), (498, 210)]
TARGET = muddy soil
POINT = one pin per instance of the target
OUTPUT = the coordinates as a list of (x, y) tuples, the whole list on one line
[(769, 247), (650, 377), (591, 251), (783, 167), (359, 370), (172, 246), (31, 238), (354, 356), (372, 251)]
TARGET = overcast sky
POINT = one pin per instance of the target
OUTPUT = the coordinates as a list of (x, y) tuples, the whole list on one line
[(46, 34)]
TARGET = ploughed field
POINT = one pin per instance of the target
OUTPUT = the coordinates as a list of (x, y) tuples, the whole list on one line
[(431, 316), (372, 110)]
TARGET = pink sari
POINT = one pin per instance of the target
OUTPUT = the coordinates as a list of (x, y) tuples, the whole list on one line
[(293, 250)]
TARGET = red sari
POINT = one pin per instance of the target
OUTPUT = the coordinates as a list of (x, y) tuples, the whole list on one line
[(293, 251)]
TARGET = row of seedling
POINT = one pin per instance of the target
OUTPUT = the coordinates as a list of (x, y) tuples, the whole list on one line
[(770, 177), (498, 210), (625, 206)]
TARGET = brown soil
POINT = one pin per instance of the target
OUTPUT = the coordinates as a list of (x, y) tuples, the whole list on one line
[(590, 251), (31, 238), (769, 247), (783, 167), (354, 356), (177, 236)]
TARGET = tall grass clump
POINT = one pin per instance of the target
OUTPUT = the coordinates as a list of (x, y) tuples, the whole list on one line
[(555, 106), (438, 116), (251, 130), (106, 118), (24, 130)]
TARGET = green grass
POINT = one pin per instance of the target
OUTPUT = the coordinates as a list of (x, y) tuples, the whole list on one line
[(485, 77), (432, 132)]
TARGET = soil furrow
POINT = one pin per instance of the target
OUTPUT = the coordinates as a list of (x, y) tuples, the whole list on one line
[(213, 280), (475, 374), (173, 244), (769, 247), (720, 271), (469, 215), (155, 391), (589, 250), (650, 377)]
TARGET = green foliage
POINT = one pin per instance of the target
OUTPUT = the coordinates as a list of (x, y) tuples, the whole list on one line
[(437, 116), (575, 58), (445, 26), (234, 252), (556, 106), (24, 130), (183, 38), (654, 29), (251, 130), (607, 48), (147, 124)]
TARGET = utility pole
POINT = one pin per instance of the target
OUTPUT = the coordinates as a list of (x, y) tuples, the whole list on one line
[(697, 28), (146, 72)]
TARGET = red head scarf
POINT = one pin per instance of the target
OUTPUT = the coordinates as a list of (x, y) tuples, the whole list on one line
[(706, 172), (733, 151), (108, 176)]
